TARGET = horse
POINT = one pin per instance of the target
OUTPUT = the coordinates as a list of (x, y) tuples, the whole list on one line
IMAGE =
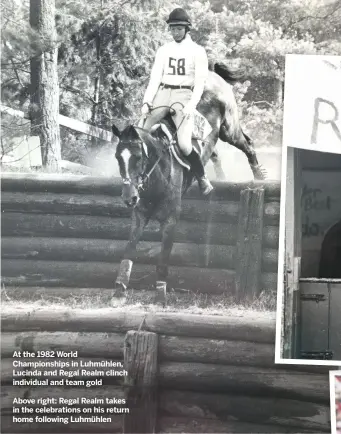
[(155, 175)]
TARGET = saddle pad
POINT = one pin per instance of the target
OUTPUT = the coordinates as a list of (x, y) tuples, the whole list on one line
[(202, 127), (201, 130), (174, 147)]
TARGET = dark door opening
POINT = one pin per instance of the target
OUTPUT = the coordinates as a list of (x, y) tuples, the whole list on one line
[(330, 261)]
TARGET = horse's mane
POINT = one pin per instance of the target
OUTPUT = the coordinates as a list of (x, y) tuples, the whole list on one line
[(230, 75)]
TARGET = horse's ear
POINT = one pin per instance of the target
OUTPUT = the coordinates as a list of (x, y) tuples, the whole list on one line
[(116, 131)]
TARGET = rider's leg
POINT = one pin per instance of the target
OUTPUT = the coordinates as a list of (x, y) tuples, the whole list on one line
[(156, 115), (184, 132)]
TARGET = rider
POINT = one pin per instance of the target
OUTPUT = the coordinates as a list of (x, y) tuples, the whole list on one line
[(177, 79)]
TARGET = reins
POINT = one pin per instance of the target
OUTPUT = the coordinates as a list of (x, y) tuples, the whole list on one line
[(146, 176)]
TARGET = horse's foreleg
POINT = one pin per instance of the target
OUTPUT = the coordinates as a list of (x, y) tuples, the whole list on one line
[(139, 222), (168, 229), (243, 142)]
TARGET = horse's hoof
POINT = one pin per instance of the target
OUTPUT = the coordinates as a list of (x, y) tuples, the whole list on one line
[(260, 173)]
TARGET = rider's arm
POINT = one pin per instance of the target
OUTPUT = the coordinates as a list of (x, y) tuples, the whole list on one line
[(155, 77), (201, 73)]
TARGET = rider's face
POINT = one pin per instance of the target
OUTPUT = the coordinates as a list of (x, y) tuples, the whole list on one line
[(178, 32)]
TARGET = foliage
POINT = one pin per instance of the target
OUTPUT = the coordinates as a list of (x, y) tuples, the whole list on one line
[(106, 50)]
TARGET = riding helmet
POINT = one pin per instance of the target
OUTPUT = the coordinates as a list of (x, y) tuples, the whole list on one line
[(179, 17)]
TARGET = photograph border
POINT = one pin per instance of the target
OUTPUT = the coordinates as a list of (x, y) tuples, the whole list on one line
[(280, 276), (281, 246), (332, 375)]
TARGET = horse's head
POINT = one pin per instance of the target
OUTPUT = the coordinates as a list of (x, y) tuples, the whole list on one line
[(132, 158)]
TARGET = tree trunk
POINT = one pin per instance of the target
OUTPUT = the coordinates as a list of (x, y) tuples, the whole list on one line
[(97, 84), (44, 109), (279, 91)]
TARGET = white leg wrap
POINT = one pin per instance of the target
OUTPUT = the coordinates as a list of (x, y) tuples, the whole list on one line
[(124, 272)]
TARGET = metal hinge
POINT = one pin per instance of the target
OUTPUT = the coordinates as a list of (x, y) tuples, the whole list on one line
[(314, 297), (317, 355)]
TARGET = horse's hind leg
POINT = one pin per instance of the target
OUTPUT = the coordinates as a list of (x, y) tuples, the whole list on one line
[(168, 229), (139, 222), (244, 143)]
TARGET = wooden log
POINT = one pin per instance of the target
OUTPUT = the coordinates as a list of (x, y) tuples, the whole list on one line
[(189, 425), (226, 352), (249, 245), (8, 393), (271, 237), (88, 369), (251, 327), (140, 360), (50, 225), (171, 348), (245, 380), (242, 408), (114, 426), (194, 405), (106, 345), (271, 213), (73, 226), (80, 249), (166, 424), (102, 205), (53, 294), (218, 407), (103, 275), (268, 282), (62, 183)]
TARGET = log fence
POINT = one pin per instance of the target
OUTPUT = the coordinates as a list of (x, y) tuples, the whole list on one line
[(186, 373), (70, 231)]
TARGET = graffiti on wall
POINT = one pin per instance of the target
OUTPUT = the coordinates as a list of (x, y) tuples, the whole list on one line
[(314, 200), (320, 204)]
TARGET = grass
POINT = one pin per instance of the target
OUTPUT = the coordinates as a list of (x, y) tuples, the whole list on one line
[(186, 301)]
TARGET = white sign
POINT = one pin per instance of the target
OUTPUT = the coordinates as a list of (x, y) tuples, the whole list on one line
[(312, 103)]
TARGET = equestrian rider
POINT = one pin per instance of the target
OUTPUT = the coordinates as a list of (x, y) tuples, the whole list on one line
[(177, 79)]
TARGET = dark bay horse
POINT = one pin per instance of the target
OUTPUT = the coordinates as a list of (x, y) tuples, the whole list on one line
[(154, 181)]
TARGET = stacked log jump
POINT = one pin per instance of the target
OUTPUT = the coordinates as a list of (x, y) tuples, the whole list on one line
[(195, 373), (70, 231)]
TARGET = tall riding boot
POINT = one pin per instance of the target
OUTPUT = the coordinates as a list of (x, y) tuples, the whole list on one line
[(199, 172)]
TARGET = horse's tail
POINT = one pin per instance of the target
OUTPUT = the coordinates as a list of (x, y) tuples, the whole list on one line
[(227, 73)]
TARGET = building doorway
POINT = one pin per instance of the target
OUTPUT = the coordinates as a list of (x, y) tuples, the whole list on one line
[(330, 260)]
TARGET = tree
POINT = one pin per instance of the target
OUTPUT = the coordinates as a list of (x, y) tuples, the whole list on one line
[(44, 108)]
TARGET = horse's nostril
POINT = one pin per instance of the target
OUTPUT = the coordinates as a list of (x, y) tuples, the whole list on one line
[(134, 199)]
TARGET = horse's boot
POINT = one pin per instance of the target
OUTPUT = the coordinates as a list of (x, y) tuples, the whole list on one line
[(199, 172)]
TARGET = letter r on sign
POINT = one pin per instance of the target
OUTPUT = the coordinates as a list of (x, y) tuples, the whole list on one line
[(317, 120)]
